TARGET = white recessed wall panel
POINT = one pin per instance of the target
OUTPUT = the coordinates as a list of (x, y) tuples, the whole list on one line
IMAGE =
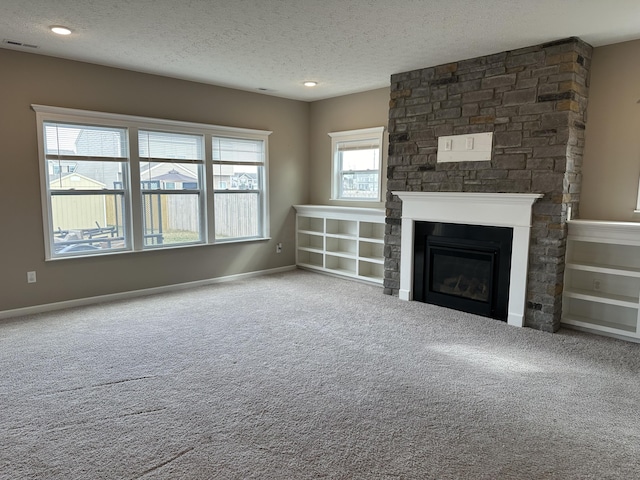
[(474, 147)]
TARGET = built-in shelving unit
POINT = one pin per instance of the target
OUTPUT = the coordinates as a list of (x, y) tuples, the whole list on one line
[(602, 278), (344, 241)]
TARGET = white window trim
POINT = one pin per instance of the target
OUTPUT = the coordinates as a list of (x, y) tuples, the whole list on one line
[(133, 197), (354, 135)]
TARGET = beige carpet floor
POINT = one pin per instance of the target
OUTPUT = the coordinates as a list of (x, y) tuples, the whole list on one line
[(300, 376)]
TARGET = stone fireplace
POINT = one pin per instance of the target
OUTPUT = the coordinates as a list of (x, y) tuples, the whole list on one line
[(534, 101)]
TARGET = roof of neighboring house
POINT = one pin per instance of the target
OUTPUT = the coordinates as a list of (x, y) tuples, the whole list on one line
[(68, 182)]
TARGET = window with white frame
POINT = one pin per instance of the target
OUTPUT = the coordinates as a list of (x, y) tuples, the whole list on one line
[(86, 182), (357, 164), (115, 183), (171, 186), (238, 172)]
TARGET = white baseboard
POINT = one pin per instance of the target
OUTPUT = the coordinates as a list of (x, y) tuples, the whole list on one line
[(48, 307)]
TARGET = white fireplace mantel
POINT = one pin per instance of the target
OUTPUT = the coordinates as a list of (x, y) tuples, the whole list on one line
[(493, 209)]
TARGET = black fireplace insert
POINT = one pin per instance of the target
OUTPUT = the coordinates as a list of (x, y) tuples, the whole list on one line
[(464, 267)]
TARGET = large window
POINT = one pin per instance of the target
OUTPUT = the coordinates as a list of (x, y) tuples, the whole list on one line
[(356, 166), (114, 183)]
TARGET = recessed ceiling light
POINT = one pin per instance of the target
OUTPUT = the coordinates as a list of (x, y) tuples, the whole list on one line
[(60, 30), (310, 84)]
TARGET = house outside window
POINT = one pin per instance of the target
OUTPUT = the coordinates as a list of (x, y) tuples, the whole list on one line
[(115, 183), (357, 164)]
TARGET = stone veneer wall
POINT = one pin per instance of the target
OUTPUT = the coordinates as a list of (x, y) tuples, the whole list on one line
[(534, 100)]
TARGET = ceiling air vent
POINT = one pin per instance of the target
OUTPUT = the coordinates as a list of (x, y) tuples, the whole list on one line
[(15, 43)]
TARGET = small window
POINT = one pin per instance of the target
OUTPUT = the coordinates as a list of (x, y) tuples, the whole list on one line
[(357, 162)]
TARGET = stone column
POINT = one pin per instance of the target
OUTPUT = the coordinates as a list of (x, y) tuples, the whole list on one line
[(534, 100)]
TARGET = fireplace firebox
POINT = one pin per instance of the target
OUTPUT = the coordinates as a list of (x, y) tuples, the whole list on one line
[(464, 267)]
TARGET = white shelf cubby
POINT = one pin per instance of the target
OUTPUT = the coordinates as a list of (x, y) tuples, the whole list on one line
[(602, 278), (345, 241)]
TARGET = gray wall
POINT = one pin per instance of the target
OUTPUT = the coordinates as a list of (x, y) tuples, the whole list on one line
[(349, 112), (612, 150), (27, 79)]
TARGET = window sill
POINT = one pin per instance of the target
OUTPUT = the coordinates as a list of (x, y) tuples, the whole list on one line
[(241, 240), (368, 200), (161, 249)]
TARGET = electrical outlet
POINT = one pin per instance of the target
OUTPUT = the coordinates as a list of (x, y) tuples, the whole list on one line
[(31, 277), (279, 248), (596, 284)]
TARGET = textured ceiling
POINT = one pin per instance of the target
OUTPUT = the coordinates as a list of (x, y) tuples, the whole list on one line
[(347, 46)]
